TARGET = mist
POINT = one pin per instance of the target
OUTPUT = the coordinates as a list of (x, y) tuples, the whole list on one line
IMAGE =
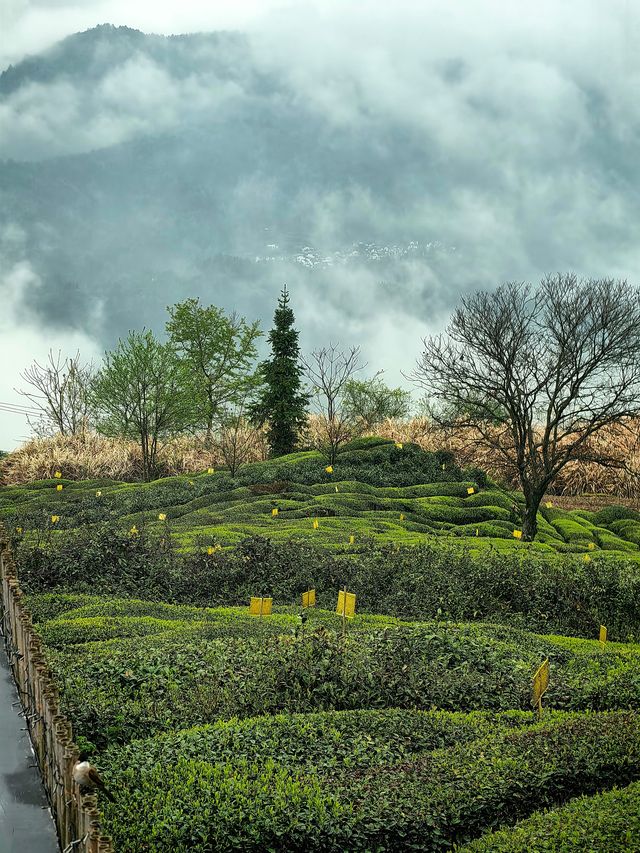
[(382, 161)]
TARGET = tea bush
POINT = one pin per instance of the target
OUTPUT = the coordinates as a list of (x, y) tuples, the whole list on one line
[(600, 824), (425, 803), (425, 581)]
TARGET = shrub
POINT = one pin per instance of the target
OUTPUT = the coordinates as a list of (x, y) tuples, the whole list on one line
[(426, 803), (600, 824)]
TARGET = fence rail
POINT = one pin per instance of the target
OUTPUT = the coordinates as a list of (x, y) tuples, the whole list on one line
[(76, 815)]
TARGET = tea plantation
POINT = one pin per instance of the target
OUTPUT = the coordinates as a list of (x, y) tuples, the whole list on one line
[(376, 489), (407, 727)]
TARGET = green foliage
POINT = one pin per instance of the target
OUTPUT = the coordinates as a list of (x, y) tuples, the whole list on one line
[(198, 666), (371, 401), (608, 514), (216, 352), (429, 580), (600, 824), (427, 802), (140, 393), (283, 404)]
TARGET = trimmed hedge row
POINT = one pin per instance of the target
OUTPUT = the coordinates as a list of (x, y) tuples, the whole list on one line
[(115, 690), (429, 803), (321, 742), (600, 824), (431, 580)]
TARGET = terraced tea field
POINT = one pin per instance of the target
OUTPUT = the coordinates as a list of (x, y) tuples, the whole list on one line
[(295, 496), (220, 730), (407, 727)]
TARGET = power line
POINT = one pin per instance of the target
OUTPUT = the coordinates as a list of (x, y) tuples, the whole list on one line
[(18, 409)]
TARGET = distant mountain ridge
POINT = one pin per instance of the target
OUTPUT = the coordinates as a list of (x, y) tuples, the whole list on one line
[(141, 169)]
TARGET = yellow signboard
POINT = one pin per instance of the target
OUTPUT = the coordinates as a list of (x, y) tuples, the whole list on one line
[(540, 684), (346, 604), (603, 635), (309, 598), (260, 606)]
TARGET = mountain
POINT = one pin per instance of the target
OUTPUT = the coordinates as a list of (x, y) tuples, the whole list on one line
[(140, 169)]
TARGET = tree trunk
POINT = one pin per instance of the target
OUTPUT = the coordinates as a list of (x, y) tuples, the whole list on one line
[(529, 519)]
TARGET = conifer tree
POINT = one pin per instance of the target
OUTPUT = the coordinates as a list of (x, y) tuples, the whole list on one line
[(283, 402)]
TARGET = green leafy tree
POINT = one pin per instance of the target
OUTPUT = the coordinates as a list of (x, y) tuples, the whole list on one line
[(367, 402), (140, 393), (283, 403), (217, 352)]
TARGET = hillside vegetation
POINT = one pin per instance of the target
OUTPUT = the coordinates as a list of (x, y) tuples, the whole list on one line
[(409, 726), (378, 489)]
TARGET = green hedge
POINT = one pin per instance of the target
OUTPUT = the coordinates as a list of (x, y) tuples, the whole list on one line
[(603, 823), (320, 742), (434, 579), (118, 690), (429, 803)]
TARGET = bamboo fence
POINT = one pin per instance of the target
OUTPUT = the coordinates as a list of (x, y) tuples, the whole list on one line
[(76, 815)]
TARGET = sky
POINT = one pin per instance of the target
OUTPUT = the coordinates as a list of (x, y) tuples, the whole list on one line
[(531, 110)]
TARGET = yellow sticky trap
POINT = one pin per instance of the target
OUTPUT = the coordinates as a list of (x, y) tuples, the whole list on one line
[(517, 534), (18, 530), (329, 469), (603, 635), (59, 487), (401, 516), (133, 531), (540, 684), (548, 504), (209, 470), (98, 494), (399, 445), (260, 606), (58, 474), (587, 558), (162, 516), (346, 604), (336, 490), (443, 466), (470, 490), (352, 540), (274, 511), (55, 519), (477, 531), (309, 598), (315, 524), (591, 546)]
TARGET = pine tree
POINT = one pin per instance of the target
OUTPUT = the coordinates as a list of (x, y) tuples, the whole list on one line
[(283, 403)]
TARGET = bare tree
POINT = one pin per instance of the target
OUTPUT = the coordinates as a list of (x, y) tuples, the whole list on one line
[(237, 439), (536, 374), (329, 370), (61, 392)]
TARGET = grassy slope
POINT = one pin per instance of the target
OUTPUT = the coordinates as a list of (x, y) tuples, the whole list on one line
[(426, 500)]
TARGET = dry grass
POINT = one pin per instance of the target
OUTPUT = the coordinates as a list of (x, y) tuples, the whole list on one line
[(90, 456)]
